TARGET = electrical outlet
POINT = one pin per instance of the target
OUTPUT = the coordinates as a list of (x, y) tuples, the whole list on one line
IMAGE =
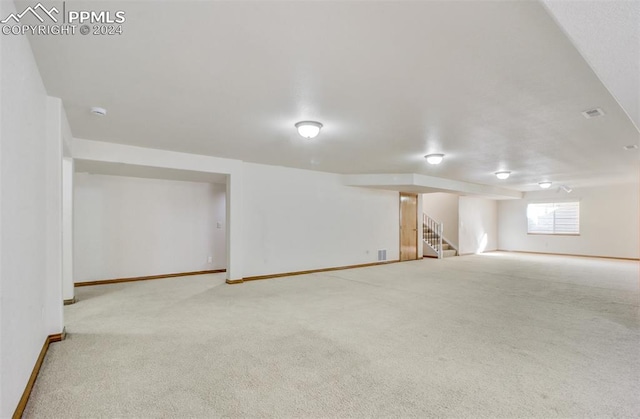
[(219, 224), (210, 259)]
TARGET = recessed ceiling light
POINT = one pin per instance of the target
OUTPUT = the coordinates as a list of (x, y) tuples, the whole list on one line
[(631, 147), (592, 113), (545, 184), (503, 175), (434, 158), (309, 129), (98, 111)]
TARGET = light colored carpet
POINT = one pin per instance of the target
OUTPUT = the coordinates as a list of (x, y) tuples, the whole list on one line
[(495, 335)]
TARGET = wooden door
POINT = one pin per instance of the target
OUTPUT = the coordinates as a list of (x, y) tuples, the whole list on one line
[(408, 226)]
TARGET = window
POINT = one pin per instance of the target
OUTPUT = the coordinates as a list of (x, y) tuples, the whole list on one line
[(553, 218)]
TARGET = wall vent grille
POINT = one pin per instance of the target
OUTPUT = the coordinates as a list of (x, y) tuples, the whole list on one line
[(382, 254)]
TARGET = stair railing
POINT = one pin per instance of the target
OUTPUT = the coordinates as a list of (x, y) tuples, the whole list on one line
[(432, 234)]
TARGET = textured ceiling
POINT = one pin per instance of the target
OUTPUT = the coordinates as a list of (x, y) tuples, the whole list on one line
[(493, 85), (607, 34)]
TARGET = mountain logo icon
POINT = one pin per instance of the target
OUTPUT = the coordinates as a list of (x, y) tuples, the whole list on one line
[(34, 11)]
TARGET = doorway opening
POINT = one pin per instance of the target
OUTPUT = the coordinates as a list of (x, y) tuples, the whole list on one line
[(136, 222), (408, 226)]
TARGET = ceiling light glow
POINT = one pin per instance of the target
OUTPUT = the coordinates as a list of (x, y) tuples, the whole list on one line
[(434, 158), (545, 184), (503, 175), (308, 129)]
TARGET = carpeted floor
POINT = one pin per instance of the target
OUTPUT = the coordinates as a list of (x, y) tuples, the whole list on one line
[(494, 335)]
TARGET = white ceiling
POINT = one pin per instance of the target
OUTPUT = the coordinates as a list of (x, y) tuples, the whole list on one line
[(493, 85), (607, 34)]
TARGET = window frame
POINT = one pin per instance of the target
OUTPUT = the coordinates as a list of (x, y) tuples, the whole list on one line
[(555, 201)]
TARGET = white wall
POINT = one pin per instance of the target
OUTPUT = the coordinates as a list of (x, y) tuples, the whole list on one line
[(608, 223), (131, 155), (443, 207), (299, 220), (68, 292), (478, 225), (349, 221), (219, 195), (53, 175), (30, 305), (127, 227)]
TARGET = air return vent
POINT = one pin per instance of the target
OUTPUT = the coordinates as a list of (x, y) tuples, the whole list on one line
[(593, 113), (382, 254)]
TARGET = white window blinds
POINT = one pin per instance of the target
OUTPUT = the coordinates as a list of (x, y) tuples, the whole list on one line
[(553, 218)]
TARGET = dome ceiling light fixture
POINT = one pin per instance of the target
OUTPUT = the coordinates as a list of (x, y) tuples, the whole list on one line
[(98, 111), (434, 158), (503, 174), (544, 185), (308, 129)]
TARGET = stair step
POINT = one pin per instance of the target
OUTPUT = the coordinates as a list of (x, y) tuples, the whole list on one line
[(434, 241), (449, 253)]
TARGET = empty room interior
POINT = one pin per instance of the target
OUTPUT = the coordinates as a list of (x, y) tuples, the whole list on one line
[(319, 209)]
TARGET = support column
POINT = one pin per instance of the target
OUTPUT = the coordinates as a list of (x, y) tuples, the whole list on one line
[(420, 227), (52, 310), (234, 227), (68, 291)]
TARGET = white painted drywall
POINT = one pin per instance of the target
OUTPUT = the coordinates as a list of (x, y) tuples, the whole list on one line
[(219, 192), (68, 291), (351, 220), (299, 220), (443, 207), (53, 233), (127, 227), (28, 312), (478, 225), (130, 155), (608, 223)]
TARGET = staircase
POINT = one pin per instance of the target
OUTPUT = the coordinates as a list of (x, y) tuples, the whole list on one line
[(434, 243)]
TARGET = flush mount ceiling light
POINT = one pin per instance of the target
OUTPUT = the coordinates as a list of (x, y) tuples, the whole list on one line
[(98, 111), (503, 175), (544, 185), (309, 129), (593, 113), (631, 147), (434, 158)]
